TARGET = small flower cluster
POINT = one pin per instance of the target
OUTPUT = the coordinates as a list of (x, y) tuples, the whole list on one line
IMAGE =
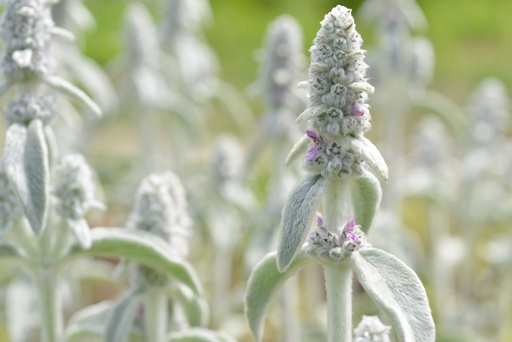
[(28, 107), (160, 209), (26, 26), (332, 159), (371, 329), (9, 206), (327, 244), (338, 93), (74, 188)]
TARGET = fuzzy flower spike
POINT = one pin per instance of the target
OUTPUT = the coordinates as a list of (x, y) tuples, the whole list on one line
[(338, 112), (338, 151)]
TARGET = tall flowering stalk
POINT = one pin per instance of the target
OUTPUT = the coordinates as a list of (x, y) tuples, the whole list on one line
[(341, 164)]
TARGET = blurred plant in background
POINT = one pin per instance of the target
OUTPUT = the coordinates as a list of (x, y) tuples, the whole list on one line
[(169, 80)]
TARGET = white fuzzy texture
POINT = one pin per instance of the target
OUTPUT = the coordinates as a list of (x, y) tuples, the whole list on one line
[(297, 217), (26, 165), (397, 290)]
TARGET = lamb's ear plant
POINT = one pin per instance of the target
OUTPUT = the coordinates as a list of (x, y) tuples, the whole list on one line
[(342, 167), (54, 193)]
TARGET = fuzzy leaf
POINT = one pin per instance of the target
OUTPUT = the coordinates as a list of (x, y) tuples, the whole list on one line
[(195, 308), (81, 231), (69, 89), (8, 252), (26, 165), (310, 113), (397, 290), (122, 315), (362, 87), (367, 151), (141, 247), (264, 281), (88, 325), (297, 149), (297, 216), (199, 335), (366, 195)]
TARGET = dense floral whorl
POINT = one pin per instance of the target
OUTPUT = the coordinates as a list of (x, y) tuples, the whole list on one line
[(75, 187), (26, 27), (337, 93), (371, 329), (160, 209)]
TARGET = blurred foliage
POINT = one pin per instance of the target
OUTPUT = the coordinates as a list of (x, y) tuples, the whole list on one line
[(471, 38)]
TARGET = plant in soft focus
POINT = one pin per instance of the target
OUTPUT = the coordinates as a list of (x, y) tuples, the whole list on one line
[(153, 307), (54, 193), (338, 163), (282, 66)]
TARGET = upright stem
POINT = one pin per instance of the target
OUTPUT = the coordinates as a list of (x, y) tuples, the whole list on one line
[(338, 279), (49, 303), (338, 286), (155, 315)]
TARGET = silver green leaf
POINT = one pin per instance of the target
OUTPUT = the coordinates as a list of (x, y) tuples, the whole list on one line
[(69, 89), (88, 324), (297, 217), (298, 149), (144, 248), (122, 314), (397, 290), (26, 165), (199, 335), (362, 87), (367, 151), (264, 281), (195, 308), (366, 195), (81, 231)]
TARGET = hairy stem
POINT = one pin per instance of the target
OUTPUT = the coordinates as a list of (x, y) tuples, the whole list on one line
[(155, 315), (338, 280), (49, 304), (338, 286)]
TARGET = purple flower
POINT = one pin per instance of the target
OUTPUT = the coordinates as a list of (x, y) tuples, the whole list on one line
[(348, 231), (358, 109), (319, 220), (317, 148)]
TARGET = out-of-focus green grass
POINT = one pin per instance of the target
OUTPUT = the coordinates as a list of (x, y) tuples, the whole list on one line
[(471, 38)]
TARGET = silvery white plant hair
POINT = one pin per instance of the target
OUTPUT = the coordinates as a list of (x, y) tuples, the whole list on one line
[(28, 107), (371, 329), (9, 206), (74, 188), (338, 92), (489, 109), (140, 37), (160, 209), (26, 27), (282, 61), (227, 161)]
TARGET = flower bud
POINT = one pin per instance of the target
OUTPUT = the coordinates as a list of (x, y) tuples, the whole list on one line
[(26, 28), (160, 209), (371, 329), (28, 107), (74, 188)]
